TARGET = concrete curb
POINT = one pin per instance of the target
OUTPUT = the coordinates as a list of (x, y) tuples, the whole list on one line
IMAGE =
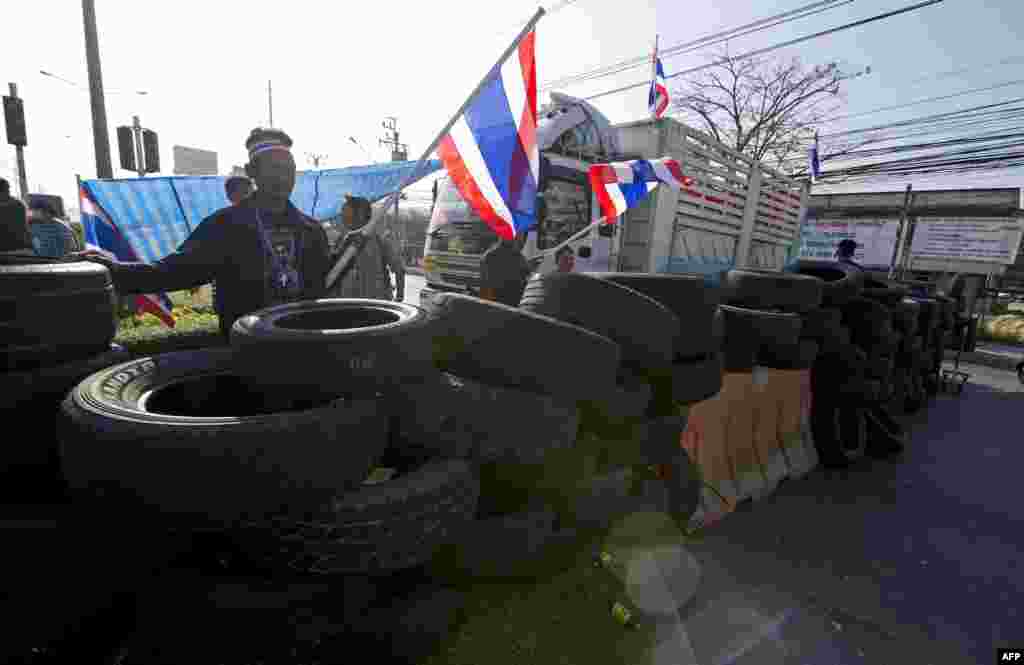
[(986, 358)]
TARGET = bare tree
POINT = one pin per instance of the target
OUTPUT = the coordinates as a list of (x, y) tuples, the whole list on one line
[(762, 108)]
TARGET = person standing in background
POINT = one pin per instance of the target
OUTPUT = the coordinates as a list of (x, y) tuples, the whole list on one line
[(504, 271), (368, 277), (565, 259), (14, 232), (237, 188)]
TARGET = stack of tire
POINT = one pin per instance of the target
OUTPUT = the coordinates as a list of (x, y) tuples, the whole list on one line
[(57, 322), (472, 408)]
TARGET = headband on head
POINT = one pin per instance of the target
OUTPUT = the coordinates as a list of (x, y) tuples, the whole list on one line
[(266, 146)]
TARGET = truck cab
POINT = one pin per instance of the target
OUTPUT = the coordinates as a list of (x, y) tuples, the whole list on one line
[(571, 136)]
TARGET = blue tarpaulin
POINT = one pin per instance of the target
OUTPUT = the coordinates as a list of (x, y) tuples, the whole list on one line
[(156, 214)]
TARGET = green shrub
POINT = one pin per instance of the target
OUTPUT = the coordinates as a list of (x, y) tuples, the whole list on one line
[(1007, 329)]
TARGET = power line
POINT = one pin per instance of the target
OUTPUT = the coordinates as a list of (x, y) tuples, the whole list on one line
[(751, 54), (702, 42), (927, 100)]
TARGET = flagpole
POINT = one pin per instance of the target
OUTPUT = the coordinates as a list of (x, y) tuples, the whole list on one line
[(344, 263), (654, 73)]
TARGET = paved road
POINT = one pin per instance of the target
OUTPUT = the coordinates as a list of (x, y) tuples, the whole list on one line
[(913, 560)]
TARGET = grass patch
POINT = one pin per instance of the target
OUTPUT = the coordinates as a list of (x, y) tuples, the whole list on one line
[(196, 327), (1006, 329)]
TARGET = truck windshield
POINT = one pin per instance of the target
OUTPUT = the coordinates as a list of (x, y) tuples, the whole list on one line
[(454, 227), (568, 206)]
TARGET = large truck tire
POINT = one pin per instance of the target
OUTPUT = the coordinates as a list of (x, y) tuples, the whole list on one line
[(645, 330), (379, 528), (183, 437), (697, 380), (690, 297), (842, 282), (450, 417), (800, 357), (885, 292), (506, 346), (821, 323), (52, 312), (749, 331), (334, 347), (29, 402), (839, 434), (768, 289)]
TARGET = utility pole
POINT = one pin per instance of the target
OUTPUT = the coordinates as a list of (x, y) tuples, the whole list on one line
[(270, 102), (137, 131), (399, 153), (14, 115), (104, 168), (902, 234)]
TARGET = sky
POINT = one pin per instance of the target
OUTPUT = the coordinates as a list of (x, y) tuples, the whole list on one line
[(338, 69)]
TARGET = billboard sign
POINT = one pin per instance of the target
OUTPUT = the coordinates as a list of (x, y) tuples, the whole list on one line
[(193, 161), (875, 239), (981, 239)]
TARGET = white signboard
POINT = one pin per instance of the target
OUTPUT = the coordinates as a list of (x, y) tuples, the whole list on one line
[(875, 239), (193, 161), (986, 240)]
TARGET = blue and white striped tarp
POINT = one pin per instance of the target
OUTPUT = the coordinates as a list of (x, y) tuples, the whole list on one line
[(156, 214)]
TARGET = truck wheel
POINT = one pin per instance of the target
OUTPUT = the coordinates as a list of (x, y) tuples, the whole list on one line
[(821, 323), (334, 347), (53, 312), (698, 380), (644, 329), (689, 297), (380, 528), (184, 437), (842, 282), (767, 289), (506, 346)]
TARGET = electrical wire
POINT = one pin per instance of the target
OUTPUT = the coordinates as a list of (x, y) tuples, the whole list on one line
[(768, 49), (693, 45)]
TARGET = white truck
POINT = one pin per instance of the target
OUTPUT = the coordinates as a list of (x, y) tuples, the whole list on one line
[(737, 213)]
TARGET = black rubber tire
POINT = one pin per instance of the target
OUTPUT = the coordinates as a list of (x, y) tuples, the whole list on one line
[(885, 292), (30, 465), (334, 347), (53, 312), (881, 366), (905, 317), (749, 331), (884, 435), (852, 432), (929, 314), (767, 289), (450, 417), (690, 297), (839, 435), (804, 358), (841, 282), (698, 380), (379, 528), (947, 310), (821, 323), (112, 444), (645, 330), (865, 313), (486, 342), (505, 547)]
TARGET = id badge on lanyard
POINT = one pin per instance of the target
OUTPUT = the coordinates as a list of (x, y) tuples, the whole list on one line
[(286, 278)]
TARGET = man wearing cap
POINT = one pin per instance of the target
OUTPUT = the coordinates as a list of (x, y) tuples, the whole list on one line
[(845, 251), (261, 252), (14, 233), (52, 237), (237, 188)]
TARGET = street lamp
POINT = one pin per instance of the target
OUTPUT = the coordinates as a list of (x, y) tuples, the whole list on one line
[(368, 155), (80, 87)]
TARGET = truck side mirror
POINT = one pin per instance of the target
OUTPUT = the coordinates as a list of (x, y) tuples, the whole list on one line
[(584, 252), (606, 230)]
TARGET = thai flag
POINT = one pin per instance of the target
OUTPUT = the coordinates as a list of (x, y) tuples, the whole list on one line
[(657, 99), (491, 151), (621, 185), (102, 235)]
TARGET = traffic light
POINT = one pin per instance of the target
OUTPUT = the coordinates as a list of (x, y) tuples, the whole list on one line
[(151, 149), (14, 118), (126, 147)]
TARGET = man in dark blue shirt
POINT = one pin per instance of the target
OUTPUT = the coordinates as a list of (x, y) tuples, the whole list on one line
[(261, 252)]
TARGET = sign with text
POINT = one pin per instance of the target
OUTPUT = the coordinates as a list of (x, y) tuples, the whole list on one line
[(875, 239), (193, 161), (982, 239)]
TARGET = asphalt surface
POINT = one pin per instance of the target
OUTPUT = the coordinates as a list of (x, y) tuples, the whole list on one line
[(913, 560)]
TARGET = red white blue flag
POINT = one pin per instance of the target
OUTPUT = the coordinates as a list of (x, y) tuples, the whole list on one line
[(491, 151), (102, 234), (657, 99), (621, 185)]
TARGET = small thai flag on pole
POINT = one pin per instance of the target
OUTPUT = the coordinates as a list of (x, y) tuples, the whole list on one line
[(657, 99), (812, 155)]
